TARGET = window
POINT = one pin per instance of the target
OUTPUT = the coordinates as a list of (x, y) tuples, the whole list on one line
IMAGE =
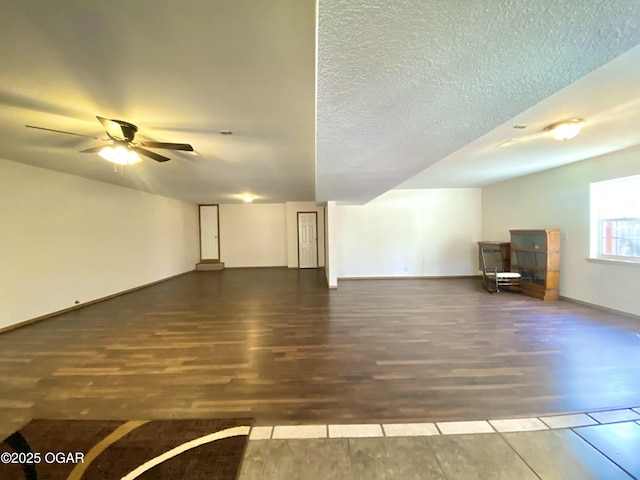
[(615, 219)]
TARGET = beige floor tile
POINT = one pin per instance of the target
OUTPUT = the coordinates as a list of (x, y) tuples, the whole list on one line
[(410, 429), (456, 428), (483, 456), (307, 459), (613, 416), (518, 425), (563, 455), (568, 421), (403, 458), (253, 460), (299, 431), (260, 433), (355, 431)]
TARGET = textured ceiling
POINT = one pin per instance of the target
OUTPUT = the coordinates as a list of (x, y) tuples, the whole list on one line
[(401, 91), (608, 100), (401, 85)]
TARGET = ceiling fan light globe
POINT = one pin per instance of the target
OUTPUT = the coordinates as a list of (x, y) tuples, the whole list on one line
[(107, 154), (134, 158), (119, 155)]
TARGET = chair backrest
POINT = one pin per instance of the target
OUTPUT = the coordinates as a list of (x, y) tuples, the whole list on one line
[(491, 259)]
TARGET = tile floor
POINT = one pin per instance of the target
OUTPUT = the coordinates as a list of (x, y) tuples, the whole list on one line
[(594, 445)]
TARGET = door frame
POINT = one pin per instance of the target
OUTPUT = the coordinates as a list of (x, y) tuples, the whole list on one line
[(210, 260), (315, 213)]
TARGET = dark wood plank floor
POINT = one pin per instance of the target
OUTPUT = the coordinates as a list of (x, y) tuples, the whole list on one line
[(277, 345)]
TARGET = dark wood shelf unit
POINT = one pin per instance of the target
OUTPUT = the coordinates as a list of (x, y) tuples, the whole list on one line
[(535, 254), (529, 267)]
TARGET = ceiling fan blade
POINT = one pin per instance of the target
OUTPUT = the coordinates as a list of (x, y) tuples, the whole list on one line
[(113, 128), (153, 155), (171, 146), (62, 131), (92, 150)]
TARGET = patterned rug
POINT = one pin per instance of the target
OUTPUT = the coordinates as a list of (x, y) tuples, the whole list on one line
[(112, 449)]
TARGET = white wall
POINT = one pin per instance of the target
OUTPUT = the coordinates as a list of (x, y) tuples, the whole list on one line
[(65, 238), (560, 198), (410, 233), (331, 239), (253, 235), (292, 231)]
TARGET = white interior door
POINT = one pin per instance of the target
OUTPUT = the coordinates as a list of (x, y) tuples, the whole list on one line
[(209, 242), (307, 240)]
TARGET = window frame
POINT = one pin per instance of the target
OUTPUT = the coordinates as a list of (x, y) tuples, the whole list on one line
[(598, 191)]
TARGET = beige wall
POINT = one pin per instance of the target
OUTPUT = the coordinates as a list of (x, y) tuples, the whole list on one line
[(64, 238), (253, 235), (331, 239), (560, 198), (410, 233), (265, 235)]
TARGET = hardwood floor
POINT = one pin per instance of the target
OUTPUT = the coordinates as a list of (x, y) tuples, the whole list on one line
[(277, 345)]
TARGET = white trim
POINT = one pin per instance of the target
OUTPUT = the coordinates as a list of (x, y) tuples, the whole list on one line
[(611, 261)]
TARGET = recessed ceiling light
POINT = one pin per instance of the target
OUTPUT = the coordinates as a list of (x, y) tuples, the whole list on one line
[(248, 198), (226, 132)]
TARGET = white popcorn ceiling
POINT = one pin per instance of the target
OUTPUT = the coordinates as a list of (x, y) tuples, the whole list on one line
[(403, 84), (607, 99)]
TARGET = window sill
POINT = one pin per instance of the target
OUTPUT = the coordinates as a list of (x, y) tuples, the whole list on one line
[(611, 261)]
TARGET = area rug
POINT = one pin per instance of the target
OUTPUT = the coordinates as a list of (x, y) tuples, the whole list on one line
[(127, 450)]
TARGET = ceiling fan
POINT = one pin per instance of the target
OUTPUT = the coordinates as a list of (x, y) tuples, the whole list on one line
[(123, 150)]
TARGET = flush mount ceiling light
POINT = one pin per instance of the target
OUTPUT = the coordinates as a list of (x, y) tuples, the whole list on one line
[(248, 198), (565, 130)]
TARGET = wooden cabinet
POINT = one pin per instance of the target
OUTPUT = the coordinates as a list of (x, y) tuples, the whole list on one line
[(535, 254), (505, 253)]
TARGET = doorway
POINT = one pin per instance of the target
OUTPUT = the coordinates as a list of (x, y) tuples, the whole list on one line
[(307, 239), (209, 234)]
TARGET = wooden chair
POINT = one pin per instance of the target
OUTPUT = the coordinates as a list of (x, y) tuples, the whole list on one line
[(493, 275)]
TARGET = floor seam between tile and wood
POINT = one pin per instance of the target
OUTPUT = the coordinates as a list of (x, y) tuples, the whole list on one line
[(473, 427)]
